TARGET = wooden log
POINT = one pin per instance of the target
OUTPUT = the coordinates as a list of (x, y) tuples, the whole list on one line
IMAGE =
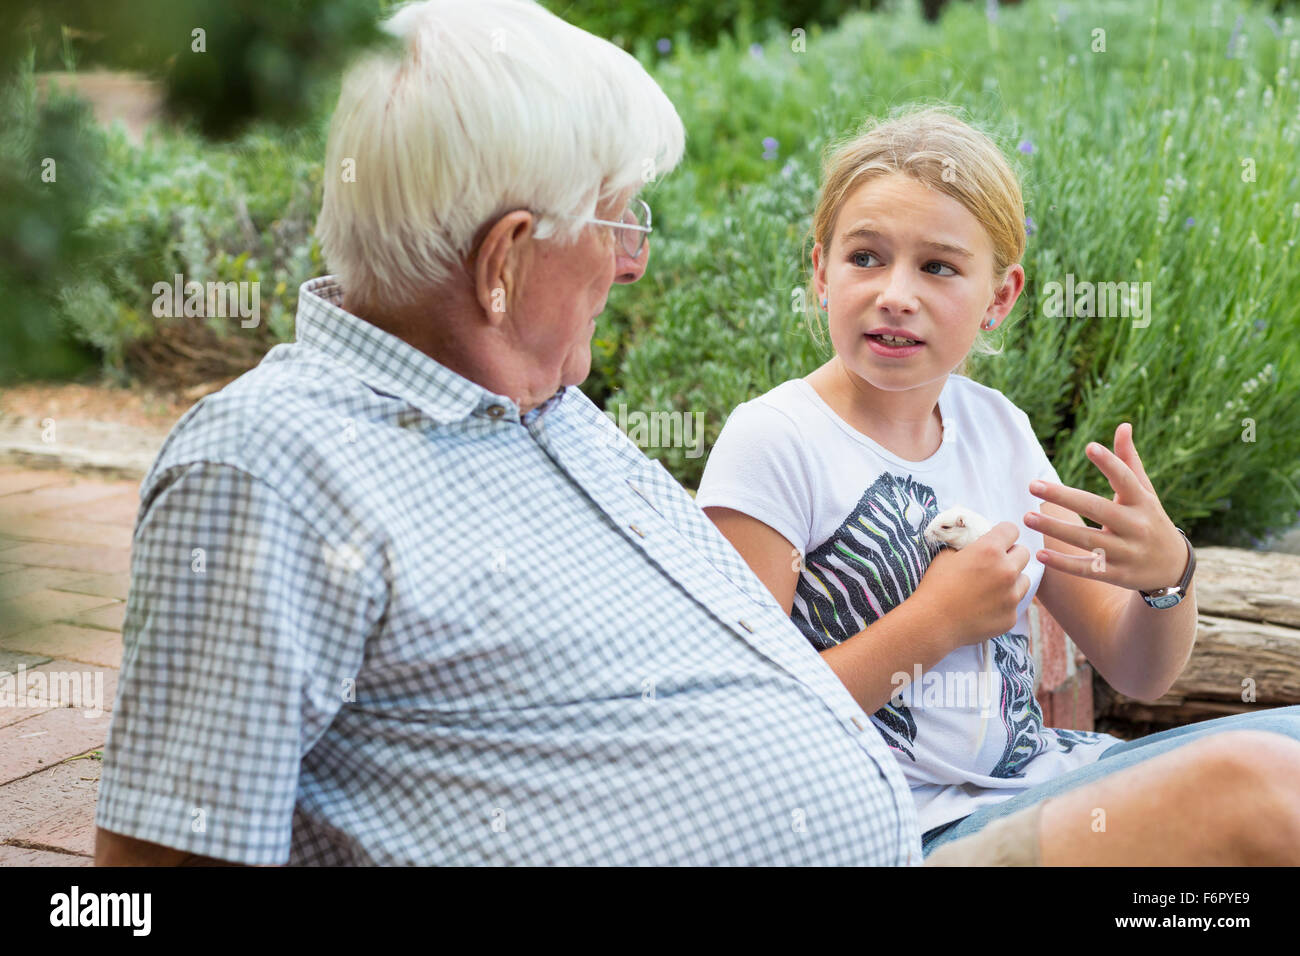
[(1243, 661), (1236, 667), (1247, 652), (1170, 710), (1250, 585)]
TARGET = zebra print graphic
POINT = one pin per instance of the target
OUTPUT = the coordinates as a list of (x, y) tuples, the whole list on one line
[(870, 565), (1021, 717), (1067, 740)]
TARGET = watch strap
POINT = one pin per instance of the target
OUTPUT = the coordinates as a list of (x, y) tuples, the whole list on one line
[(1168, 597)]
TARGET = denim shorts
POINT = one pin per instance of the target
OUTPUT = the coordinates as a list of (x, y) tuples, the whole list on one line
[(1281, 720)]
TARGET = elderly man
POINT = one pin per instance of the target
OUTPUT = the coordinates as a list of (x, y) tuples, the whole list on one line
[(403, 594)]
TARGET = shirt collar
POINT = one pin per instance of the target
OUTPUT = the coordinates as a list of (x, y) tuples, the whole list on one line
[(392, 365)]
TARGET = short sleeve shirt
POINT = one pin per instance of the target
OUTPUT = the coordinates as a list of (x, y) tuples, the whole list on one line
[(377, 616), (969, 731)]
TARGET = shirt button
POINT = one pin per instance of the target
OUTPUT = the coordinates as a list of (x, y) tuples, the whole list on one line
[(858, 724), (637, 530), (745, 624), (496, 411)]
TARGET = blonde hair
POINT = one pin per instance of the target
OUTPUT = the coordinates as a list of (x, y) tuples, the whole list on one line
[(938, 149), (476, 109)]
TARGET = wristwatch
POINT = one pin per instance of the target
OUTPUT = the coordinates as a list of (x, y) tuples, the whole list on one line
[(1162, 598)]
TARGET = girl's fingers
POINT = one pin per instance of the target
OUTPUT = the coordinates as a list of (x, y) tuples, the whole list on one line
[(1080, 565), (1128, 451)]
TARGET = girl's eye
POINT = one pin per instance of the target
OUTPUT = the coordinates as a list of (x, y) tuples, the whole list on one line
[(941, 265), (858, 258)]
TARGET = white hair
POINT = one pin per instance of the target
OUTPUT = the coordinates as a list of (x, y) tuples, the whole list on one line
[(487, 106)]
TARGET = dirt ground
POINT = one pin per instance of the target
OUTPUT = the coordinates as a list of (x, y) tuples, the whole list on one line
[(104, 403), (128, 98)]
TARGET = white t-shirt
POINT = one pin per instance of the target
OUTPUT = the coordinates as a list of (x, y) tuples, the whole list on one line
[(856, 512)]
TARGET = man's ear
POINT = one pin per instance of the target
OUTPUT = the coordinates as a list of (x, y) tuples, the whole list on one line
[(496, 265)]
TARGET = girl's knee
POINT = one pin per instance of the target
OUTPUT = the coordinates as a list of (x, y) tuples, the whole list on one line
[(1242, 767), (1259, 774), (1260, 754)]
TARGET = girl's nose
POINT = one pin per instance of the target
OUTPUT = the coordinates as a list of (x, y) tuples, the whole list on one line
[(898, 294)]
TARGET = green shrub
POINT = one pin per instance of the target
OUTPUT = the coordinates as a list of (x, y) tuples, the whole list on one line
[(641, 25), (47, 162), (235, 212), (1162, 113), (1135, 175)]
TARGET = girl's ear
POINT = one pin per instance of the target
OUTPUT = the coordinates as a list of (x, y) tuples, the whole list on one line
[(819, 271), (1005, 295)]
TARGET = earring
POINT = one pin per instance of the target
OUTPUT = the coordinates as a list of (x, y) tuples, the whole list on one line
[(825, 302), (989, 325)]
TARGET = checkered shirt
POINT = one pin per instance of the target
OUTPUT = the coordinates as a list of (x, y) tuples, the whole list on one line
[(378, 617)]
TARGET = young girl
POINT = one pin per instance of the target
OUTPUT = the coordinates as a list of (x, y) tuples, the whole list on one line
[(826, 483)]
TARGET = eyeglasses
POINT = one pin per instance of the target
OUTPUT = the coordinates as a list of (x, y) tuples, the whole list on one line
[(635, 224)]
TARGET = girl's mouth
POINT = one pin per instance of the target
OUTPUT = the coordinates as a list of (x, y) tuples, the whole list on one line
[(894, 348)]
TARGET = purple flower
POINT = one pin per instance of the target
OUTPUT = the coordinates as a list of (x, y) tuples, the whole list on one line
[(664, 45), (1030, 228), (756, 50), (770, 145), (1190, 222), (1026, 147), (1260, 325)]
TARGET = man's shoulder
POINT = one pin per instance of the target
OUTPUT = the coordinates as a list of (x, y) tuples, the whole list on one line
[(270, 421), (600, 429)]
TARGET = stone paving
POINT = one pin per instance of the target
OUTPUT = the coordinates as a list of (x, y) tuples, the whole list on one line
[(65, 543)]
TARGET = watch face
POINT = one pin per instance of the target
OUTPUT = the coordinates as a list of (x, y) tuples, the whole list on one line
[(1165, 600)]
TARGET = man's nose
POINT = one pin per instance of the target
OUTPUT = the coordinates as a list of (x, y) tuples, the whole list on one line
[(627, 269)]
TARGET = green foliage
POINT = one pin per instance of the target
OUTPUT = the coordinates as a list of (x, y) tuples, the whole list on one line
[(233, 213), (1163, 112), (224, 63), (41, 152), (1135, 175), (75, 262), (641, 24)]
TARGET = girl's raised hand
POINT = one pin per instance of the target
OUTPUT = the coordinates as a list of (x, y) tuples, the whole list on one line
[(1137, 546)]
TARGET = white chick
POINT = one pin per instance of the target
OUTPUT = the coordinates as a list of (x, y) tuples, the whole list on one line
[(957, 528)]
